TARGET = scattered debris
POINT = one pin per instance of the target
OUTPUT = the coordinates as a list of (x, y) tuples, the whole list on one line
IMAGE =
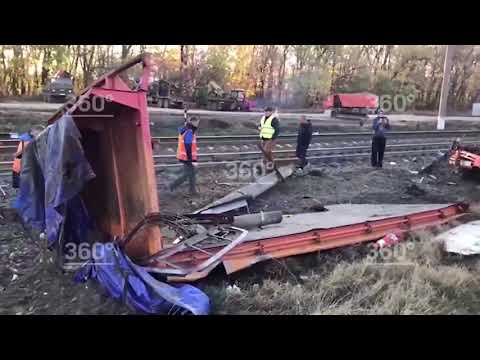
[(451, 183), (232, 290), (392, 163), (316, 172), (238, 198), (318, 208), (249, 221), (432, 177), (414, 172), (414, 190), (421, 179), (14, 277)]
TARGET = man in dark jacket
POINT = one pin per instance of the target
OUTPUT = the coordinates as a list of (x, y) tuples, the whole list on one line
[(304, 137), (380, 127), (187, 154)]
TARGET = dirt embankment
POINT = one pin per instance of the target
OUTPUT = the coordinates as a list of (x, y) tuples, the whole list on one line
[(166, 124)]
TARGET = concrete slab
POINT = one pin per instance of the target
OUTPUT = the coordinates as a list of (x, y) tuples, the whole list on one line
[(337, 215), (463, 239), (250, 191)]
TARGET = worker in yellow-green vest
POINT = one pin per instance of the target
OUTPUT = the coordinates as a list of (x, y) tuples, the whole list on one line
[(269, 131)]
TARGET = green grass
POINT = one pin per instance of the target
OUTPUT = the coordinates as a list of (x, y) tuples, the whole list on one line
[(422, 281)]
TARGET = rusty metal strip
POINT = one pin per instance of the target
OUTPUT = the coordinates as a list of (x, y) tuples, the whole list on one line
[(256, 251)]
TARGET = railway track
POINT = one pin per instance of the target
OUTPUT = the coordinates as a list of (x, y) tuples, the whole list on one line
[(326, 147), (323, 154)]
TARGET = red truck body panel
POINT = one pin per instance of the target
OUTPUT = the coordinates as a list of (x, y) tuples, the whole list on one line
[(358, 100)]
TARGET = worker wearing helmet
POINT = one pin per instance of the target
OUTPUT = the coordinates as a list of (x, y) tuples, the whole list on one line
[(25, 139), (187, 154), (269, 131), (381, 126)]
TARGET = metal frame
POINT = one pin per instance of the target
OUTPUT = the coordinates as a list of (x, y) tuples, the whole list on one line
[(252, 252)]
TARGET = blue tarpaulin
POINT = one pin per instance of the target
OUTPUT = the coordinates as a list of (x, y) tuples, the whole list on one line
[(137, 288), (54, 172)]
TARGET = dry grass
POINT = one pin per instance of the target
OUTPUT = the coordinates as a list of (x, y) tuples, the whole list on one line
[(420, 280)]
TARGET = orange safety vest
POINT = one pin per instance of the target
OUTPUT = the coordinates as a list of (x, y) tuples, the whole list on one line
[(182, 152), (17, 162)]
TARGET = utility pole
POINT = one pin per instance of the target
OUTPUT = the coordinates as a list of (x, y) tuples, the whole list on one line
[(447, 69)]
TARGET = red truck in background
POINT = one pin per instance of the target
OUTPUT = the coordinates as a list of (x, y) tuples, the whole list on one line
[(360, 104)]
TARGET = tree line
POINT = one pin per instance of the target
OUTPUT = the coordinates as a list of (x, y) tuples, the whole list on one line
[(293, 75)]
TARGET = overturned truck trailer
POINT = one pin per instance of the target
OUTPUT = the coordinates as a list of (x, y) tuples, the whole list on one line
[(119, 195)]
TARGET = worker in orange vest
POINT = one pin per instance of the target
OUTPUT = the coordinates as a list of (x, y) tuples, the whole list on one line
[(25, 139), (187, 154)]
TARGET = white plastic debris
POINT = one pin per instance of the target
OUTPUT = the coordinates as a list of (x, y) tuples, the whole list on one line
[(451, 183), (413, 172), (392, 163), (14, 277), (463, 239), (432, 177), (233, 289), (177, 240), (421, 180)]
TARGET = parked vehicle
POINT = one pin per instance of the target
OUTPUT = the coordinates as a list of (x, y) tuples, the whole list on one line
[(59, 88), (361, 104), (213, 97), (162, 93)]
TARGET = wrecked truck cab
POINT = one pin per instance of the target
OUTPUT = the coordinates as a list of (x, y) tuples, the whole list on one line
[(115, 136)]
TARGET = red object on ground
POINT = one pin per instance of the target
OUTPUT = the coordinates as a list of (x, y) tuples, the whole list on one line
[(356, 100), (465, 159), (389, 240)]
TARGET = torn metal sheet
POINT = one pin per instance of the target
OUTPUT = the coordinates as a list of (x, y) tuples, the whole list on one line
[(220, 209), (238, 198), (463, 239), (336, 216), (342, 225)]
